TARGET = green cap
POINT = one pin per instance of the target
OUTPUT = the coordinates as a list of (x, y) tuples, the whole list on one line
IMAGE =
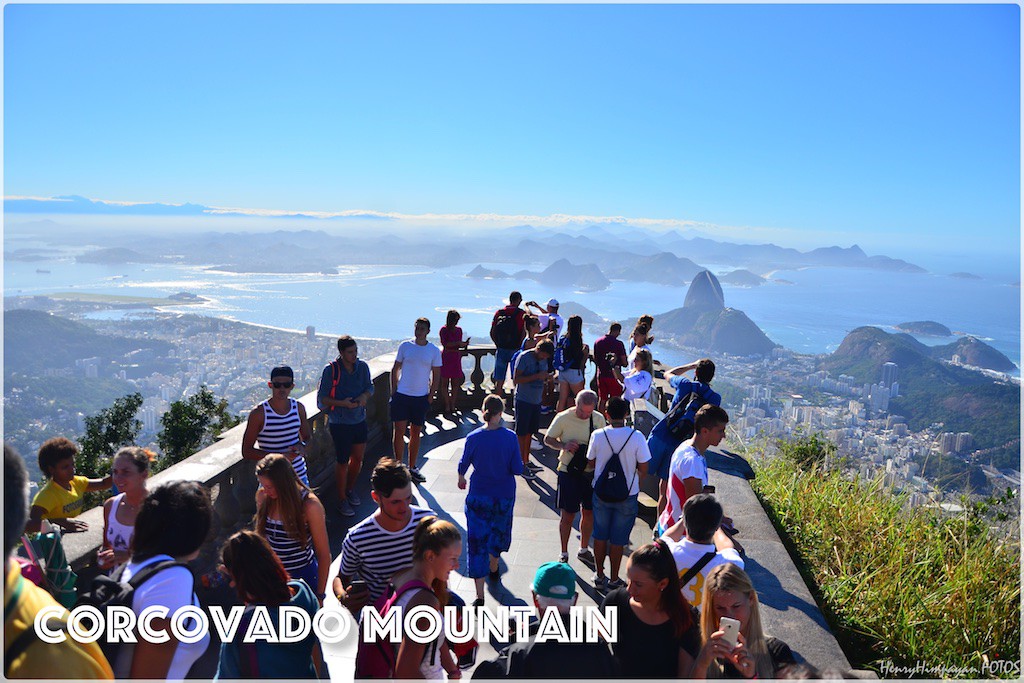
[(555, 580)]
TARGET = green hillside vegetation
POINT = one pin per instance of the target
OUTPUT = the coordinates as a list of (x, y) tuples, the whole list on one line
[(930, 391), (36, 340), (895, 584)]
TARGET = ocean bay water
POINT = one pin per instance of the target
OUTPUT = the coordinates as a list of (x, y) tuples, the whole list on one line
[(812, 315)]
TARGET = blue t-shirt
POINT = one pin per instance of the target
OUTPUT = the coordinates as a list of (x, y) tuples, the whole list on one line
[(529, 364), (494, 455), (350, 385), (684, 387)]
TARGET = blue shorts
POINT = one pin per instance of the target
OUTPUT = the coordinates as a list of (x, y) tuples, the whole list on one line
[(613, 522), (409, 408), (575, 491), (345, 437), (501, 360), (570, 376), (527, 418), (661, 455)]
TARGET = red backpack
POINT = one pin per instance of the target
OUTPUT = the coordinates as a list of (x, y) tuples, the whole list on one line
[(377, 658)]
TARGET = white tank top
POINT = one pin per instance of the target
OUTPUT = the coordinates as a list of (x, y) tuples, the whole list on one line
[(431, 666), (119, 535)]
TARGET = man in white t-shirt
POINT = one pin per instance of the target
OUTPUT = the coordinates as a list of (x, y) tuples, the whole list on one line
[(415, 377), (688, 473), (613, 520), (699, 534)]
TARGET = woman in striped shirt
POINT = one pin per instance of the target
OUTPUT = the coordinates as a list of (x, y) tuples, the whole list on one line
[(291, 518)]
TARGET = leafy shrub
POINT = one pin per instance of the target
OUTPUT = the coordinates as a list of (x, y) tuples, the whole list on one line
[(806, 450)]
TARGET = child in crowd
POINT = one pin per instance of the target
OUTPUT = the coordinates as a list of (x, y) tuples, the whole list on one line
[(63, 497)]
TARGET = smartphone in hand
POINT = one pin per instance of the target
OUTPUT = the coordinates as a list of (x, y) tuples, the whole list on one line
[(731, 627)]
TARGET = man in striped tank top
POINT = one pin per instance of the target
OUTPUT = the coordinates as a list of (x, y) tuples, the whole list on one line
[(279, 424)]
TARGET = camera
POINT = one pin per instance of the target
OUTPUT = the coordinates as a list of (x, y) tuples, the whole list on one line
[(611, 357)]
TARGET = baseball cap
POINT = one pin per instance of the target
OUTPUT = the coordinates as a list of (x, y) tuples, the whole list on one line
[(555, 580), (553, 303), (282, 371)]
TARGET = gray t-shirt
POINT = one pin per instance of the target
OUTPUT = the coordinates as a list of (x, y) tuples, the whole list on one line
[(529, 364)]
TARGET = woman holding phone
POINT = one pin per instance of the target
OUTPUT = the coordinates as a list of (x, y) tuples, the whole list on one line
[(730, 596)]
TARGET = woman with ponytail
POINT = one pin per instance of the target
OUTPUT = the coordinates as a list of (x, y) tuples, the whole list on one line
[(493, 452), (658, 632), (728, 592), (436, 546)]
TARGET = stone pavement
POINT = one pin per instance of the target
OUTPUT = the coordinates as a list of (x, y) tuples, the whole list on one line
[(788, 609)]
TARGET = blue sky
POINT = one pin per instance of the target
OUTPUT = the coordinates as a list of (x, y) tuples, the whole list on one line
[(805, 125)]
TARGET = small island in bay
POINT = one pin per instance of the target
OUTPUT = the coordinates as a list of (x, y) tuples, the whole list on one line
[(965, 276), (742, 278), (925, 328)]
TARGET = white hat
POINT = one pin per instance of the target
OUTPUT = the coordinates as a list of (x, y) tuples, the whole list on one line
[(553, 303)]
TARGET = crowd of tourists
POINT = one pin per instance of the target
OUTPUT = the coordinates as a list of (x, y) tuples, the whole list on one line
[(685, 606)]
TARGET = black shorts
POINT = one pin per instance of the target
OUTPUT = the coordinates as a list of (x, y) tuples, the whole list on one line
[(345, 437), (409, 408), (575, 491), (527, 418)]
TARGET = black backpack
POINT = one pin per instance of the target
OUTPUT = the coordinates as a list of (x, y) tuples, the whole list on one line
[(679, 426), (611, 486), (505, 330), (107, 591)]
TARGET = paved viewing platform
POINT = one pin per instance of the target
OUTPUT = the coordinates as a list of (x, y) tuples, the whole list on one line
[(788, 610)]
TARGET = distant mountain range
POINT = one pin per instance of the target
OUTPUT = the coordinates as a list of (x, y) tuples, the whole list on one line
[(585, 278), (625, 252)]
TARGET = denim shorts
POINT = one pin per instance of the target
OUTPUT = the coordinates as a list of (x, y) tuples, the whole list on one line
[(613, 522), (570, 375), (501, 360)]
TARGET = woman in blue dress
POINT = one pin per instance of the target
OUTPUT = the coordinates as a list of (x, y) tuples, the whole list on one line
[(493, 453)]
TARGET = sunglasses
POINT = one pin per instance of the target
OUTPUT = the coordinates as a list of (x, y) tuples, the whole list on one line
[(282, 385)]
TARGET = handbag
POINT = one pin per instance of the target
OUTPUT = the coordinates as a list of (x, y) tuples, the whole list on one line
[(578, 463)]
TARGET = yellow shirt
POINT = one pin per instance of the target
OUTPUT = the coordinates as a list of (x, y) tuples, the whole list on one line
[(59, 502), (70, 659), (567, 427)]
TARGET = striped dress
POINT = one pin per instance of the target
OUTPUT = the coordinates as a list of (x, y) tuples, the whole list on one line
[(281, 432)]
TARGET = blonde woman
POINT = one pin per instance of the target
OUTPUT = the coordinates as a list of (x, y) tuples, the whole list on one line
[(729, 593), (291, 518), (436, 547)]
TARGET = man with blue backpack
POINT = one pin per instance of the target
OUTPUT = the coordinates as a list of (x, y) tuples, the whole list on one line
[(677, 425)]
